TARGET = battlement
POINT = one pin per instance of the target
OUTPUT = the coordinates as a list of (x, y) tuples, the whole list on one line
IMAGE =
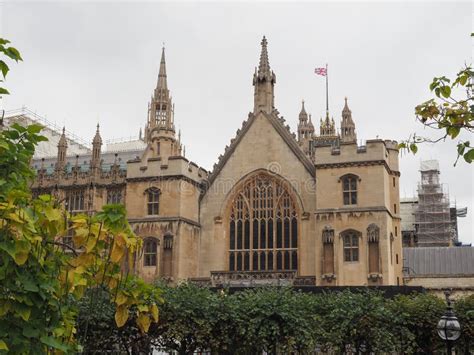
[(173, 166), (374, 149)]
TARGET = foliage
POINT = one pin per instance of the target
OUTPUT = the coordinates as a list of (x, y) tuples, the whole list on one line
[(358, 321), (39, 281), (7, 52), (464, 310), (415, 318), (282, 320), (447, 113), (186, 320), (274, 320)]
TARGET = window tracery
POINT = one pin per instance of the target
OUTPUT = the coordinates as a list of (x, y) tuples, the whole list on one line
[(263, 227)]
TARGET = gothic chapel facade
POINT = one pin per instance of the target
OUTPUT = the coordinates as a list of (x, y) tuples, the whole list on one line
[(277, 208)]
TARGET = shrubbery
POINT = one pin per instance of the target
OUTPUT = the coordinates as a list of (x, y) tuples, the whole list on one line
[(282, 320)]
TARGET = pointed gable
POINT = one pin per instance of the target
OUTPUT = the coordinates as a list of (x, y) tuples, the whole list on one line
[(271, 134)]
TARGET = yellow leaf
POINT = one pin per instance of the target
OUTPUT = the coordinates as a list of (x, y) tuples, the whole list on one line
[(79, 291), (154, 312), (91, 243), (121, 298), (121, 315), (21, 257), (14, 217), (143, 322), (3, 345), (117, 253), (4, 308), (142, 307), (52, 214), (79, 240), (83, 259), (113, 283), (81, 231), (121, 239)]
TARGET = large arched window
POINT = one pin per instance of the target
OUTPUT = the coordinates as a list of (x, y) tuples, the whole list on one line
[(153, 201), (263, 227), (149, 252)]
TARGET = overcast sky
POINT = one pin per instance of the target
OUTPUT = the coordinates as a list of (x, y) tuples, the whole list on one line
[(98, 62)]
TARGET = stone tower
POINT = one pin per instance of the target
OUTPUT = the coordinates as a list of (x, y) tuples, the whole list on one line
[(327, 127), (264, 80), (348, 133), (160, 130), (305, 130), (62, 149), (96, 150)]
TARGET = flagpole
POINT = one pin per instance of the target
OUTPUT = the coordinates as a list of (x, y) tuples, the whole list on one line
[(327, 90)]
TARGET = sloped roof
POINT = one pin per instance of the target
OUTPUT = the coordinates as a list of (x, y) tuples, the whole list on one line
[(443, 261), (131, 145), (284, 131)]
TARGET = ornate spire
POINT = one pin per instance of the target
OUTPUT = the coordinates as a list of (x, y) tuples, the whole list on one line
[(310, 123), (62, 149), (263, 81), (162, 80), (305, 129), (303, 115), (347, 125), (96, 149), (264, 65), (327, 126), (62, 140), (97, 138), (160, 108)]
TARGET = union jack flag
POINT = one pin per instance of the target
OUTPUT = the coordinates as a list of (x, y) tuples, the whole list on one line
[(321, 71)]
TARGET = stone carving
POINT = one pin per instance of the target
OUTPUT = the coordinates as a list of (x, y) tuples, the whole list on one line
[(373, 233), (328, 235)]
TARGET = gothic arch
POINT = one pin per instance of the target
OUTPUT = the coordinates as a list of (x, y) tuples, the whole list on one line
[(224, 210), (262, 221)]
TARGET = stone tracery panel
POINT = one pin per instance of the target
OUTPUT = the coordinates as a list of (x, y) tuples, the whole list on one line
[(263, 227)]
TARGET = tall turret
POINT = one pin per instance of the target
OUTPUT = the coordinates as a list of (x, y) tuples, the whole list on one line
[(264, 80), (160, 130), (348, 133), (62, 149), (96, 150), (160, 108), (305, 130), (327, 126)]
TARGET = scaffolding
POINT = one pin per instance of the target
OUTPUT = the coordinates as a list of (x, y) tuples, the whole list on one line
[(433, 221)]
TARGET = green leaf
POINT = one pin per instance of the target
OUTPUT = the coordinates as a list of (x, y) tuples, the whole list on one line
[(30, 332), (453, 131), (23, 311), (469, 156), (13, 53), (4, 68), (414, 148), (53, 343), (4, 91), (34, 128), (446, 91)]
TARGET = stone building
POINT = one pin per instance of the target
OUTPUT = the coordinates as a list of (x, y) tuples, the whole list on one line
[(277, 208)]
